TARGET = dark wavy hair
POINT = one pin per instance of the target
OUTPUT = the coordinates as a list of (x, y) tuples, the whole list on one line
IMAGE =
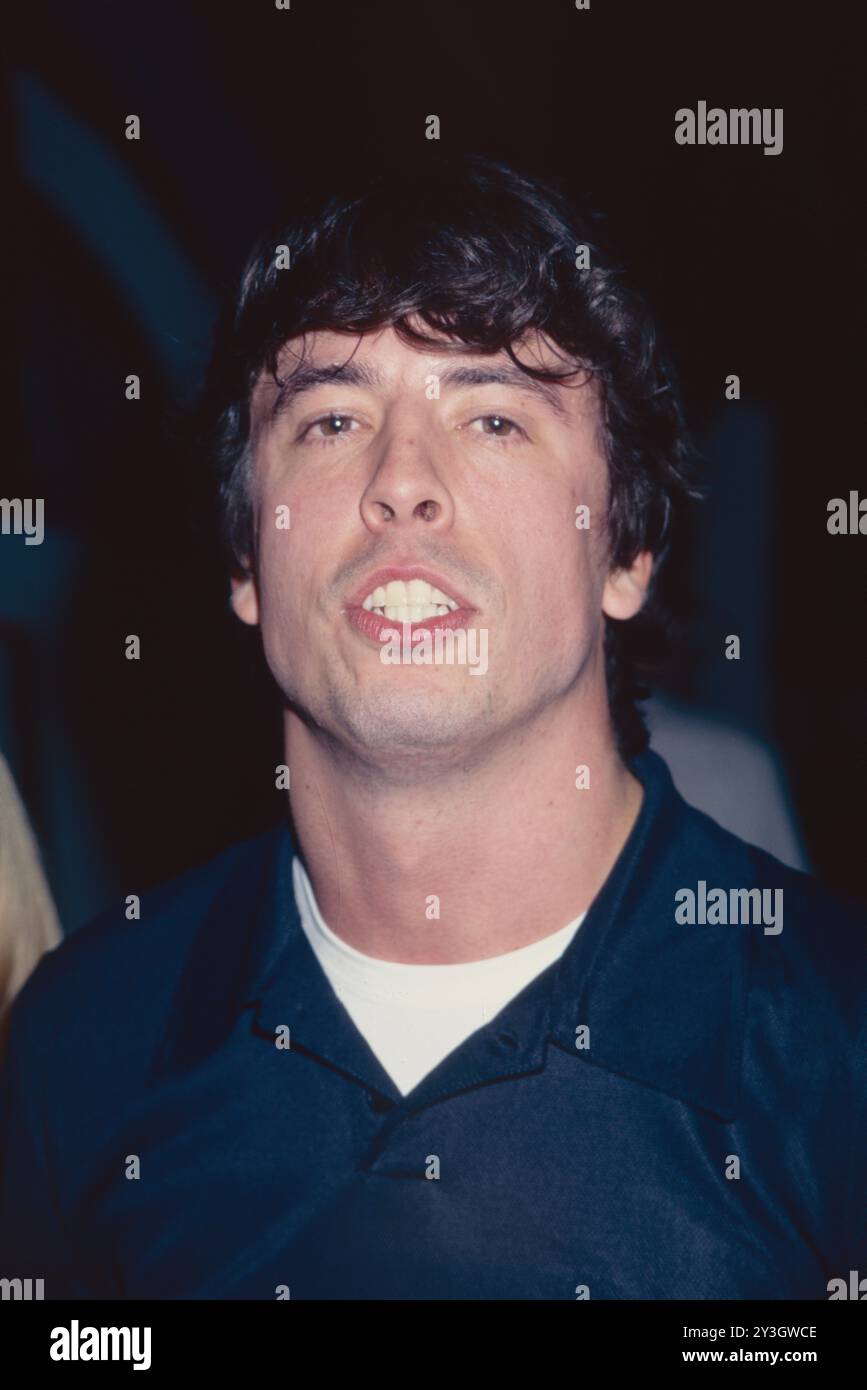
[(483, 254)]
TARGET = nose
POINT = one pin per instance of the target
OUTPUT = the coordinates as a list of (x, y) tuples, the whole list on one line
[(406, 489)]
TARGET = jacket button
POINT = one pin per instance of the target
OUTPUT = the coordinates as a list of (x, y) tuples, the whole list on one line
[(508, 1040)]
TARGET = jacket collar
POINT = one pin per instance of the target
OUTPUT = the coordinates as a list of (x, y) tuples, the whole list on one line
[(664, 1003)]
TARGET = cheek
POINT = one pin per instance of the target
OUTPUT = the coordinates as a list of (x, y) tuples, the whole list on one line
[(297, 539), (555, 563), (281, 599), (276, 559)]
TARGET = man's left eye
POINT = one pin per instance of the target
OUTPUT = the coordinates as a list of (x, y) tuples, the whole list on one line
[(334, 424), (501, 426)]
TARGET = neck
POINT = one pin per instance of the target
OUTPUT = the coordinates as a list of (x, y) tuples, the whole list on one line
[(507, 855)]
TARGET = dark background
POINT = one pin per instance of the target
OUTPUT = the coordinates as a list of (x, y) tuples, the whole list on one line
[(121, 251)]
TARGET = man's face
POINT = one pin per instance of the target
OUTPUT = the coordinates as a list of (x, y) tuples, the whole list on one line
[(417, 460)]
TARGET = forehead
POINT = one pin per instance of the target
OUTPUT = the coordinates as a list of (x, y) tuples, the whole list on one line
[(384, 362)]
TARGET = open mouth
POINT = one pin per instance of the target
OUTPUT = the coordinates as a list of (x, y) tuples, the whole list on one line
[(413, 600), (409, 601)]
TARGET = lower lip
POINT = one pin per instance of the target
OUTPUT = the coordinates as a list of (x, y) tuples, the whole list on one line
[(376, 628)]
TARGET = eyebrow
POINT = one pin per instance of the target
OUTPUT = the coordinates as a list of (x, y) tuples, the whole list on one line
[(308, 376), (504, 374)]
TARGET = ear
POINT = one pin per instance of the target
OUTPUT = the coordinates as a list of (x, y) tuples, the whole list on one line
[(245, 595), (626, 589)]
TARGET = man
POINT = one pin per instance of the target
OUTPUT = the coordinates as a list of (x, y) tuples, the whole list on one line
[(507, 1019)]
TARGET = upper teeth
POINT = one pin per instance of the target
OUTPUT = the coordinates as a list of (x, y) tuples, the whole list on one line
[(409, 601)]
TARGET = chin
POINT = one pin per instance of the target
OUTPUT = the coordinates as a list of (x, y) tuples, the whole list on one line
[(409, 727)]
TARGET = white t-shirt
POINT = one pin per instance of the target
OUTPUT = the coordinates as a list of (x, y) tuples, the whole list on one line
[(412, 1016)]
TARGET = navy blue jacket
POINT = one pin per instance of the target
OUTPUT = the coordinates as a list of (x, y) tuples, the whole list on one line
[(709, 1142)]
